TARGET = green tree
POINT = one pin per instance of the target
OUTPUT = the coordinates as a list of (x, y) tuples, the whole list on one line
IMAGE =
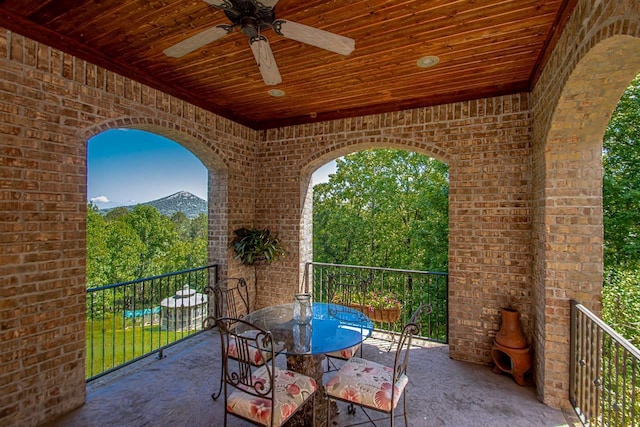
[(383, 208), (97, 250), (621, 303), (621, 182), (182, 223), (199, 227), (621, 209), (116, 213), (157, 233), (124, 249), (126, 245)]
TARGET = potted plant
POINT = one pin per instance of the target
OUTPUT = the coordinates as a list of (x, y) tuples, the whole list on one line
[(378, 305), (252, 246)]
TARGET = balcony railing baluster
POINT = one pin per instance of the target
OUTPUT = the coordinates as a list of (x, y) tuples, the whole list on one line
[(411, 287), (143, 317), (604, 372)]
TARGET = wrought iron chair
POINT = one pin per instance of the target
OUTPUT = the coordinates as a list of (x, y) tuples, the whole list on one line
[(369, 384), (342, 289), (264, 395), (231, 299)]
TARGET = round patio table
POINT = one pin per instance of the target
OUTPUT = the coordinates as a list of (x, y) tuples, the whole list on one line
[(331, 327)]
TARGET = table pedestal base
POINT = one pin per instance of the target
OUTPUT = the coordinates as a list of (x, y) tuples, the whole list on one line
[(311, 365)]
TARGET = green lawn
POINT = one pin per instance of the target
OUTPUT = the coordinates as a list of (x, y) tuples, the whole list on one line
[(114, 340)]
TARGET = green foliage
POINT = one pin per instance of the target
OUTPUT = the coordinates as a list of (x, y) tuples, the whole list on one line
[(157, 233), (384, 208), (621, 182), (621, 303), (127, 245), (251, 245), (621, 209), (97, 251), (116, 213), (376, 299)]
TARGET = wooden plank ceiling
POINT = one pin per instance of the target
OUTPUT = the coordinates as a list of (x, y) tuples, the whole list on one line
[(485, 48)]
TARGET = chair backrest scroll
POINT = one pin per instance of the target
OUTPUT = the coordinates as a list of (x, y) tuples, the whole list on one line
[(406, 337), (241, 374), (231, 299)]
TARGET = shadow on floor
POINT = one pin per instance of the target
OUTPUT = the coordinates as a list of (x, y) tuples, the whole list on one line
[(176, 390)]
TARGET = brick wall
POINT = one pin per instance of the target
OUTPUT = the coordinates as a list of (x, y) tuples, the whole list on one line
[(595, 60), (521, 166), (486, 144), (50, 104)]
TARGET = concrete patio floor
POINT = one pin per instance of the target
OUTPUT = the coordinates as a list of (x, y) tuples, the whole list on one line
[(175, 391)]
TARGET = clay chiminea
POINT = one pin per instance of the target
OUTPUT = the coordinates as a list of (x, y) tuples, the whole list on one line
[(510, 351), (510, 333)]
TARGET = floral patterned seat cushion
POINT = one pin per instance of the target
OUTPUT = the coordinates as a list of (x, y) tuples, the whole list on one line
[(257, 357), (346, 353), (366, 383), (291, 391)]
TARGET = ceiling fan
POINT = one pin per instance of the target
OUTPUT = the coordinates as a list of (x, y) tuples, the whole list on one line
[(253, 17)]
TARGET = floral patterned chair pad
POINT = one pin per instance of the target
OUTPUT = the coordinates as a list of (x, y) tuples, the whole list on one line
[(291, 391), (346, 353), (257, 357), (366, 383)]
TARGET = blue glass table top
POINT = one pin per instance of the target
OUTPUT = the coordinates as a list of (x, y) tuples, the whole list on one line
[(332, 327)]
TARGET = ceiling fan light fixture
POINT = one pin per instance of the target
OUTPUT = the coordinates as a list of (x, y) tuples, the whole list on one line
[(276, 93), (427, 61), (253, 17)]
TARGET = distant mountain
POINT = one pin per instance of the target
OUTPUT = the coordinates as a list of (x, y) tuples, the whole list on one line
[(182, 201)]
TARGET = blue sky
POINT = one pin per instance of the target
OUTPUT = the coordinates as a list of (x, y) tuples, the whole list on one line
[(127, 166), (322, 173)]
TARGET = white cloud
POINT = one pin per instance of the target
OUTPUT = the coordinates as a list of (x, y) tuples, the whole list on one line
[(100, 199)]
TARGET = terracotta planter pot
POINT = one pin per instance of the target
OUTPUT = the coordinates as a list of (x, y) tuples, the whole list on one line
[(390, 315), (510, 333)]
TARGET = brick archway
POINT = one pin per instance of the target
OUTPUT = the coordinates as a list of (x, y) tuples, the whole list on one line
[(210, 157), (340, 150), (569, 221)]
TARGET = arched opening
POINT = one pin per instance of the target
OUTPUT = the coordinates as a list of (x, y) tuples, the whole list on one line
[(140, 166), (383, 214), (213, 161), (158, 250), (621, 211), (127, 168), (384, 208), (569, 256)]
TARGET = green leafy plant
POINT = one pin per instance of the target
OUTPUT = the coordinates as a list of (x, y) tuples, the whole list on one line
[(252, 245), (377, 299)]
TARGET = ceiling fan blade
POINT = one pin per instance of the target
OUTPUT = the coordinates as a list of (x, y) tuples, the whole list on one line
[(222, 4), (266, 61), (197, 41), (268, 3), (314, 36)]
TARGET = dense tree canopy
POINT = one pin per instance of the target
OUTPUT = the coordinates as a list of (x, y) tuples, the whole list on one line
[(621, 181), (126, 245), (621, 204), (383, 208)]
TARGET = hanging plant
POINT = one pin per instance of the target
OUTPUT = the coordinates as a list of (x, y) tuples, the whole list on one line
[(252, 245)]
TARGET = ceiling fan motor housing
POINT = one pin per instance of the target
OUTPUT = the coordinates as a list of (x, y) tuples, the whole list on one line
[(251, 16)]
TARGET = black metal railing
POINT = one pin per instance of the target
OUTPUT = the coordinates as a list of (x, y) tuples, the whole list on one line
[(412, 288), (131, 320), (604, 372)]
